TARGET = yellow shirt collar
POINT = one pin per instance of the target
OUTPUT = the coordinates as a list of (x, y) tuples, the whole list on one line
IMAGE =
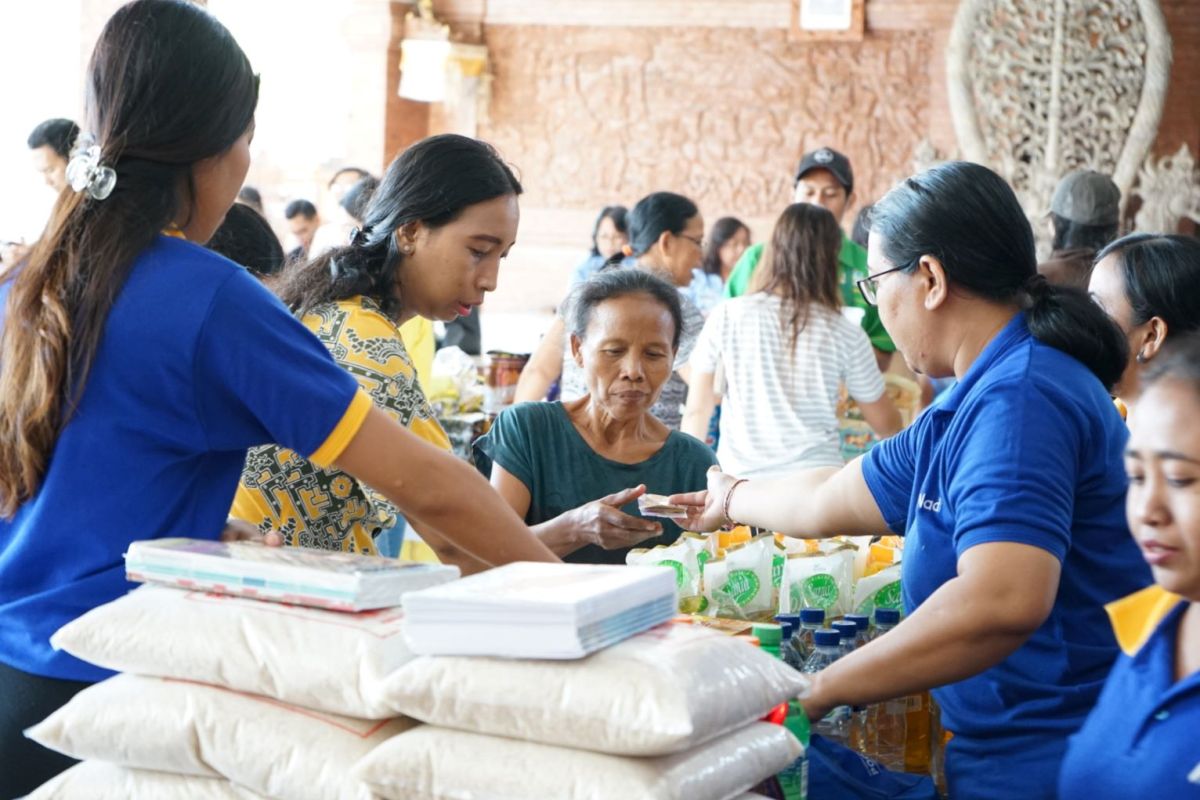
[(1135, 617)]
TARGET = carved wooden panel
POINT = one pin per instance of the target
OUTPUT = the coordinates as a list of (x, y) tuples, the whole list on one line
[(591, 116)]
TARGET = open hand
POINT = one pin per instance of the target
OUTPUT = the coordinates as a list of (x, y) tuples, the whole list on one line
[(603, 522)]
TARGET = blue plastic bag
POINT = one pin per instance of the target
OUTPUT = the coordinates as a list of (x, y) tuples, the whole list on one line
[(838, 773)]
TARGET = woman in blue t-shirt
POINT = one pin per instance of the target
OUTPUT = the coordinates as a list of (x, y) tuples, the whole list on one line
[(137, 368), (1141, 738), (1009, 488), (575, 470)]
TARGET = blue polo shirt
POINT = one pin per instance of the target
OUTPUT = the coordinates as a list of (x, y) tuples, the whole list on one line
[(197, 363), (1026, 448), (1143, 738)]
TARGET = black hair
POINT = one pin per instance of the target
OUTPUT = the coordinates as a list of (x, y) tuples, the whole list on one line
[(1178, 360), (862, 226), (432, 182), (1070, 235), (654, 215), (359, 171), (722, 231), (58, 133), (252, 197), (246, 238), (610, 284), (618, 216), (167, 87), (300, 208), (1162, 278), (968, 218), (358, 197)]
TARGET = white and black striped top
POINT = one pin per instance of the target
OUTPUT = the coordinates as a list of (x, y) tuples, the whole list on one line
[(779, 411)]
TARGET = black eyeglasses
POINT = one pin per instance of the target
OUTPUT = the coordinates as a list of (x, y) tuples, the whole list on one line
[(868, 287), (694, 240)]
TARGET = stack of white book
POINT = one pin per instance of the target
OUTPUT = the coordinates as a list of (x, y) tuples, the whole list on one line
[(535, 610), (296, 575)]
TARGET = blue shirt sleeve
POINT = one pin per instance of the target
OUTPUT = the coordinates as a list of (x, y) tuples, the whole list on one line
[(510, 445), (261, 377), (1012, 477), (889, 469)]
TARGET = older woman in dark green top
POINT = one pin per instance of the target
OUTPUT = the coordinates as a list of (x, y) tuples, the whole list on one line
[(575, 470)]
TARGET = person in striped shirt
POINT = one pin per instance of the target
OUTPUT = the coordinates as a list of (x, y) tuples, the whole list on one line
[(779, 355)]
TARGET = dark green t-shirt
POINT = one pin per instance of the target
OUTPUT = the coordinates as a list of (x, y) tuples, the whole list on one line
[(540, 447), (852, 267)]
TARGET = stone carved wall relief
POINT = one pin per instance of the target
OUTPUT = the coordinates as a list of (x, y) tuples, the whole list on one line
[(1042, 87), (1170, 192), (590, 117)]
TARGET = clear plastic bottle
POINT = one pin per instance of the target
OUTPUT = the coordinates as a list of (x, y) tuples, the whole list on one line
[(862, 733), (849, 633), (787, 650), (885, 620), (864, 628), (887, 722), (811, 621), (826, 650)]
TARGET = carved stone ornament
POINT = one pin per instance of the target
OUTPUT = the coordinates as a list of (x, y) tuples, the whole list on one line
[(1170, 192), (1039, 88)]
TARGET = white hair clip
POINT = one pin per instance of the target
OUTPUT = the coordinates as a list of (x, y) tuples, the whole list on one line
[(85, 173)]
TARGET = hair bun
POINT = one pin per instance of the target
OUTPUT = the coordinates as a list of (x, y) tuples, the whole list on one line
[(1037, 287)]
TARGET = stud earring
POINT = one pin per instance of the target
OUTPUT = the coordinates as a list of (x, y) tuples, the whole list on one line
[(1140, 358)]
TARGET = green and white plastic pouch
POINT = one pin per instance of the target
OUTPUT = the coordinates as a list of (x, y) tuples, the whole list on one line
[(819, 580), (881, 590), (743, 577), (680, 556)]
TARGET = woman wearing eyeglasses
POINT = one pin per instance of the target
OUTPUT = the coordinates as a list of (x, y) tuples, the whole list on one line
[(784, 351), (666, 236), (1009, 489)]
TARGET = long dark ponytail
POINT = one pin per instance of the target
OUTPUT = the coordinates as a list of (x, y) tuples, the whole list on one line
[(431, 182), (167, 87), (968, 217)]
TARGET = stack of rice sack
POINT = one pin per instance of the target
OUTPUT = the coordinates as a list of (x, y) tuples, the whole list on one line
[(669, 714), (224, 697), (739, 576)]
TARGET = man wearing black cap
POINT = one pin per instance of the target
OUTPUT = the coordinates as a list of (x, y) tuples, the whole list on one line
[(824, 178), (1085, 215)]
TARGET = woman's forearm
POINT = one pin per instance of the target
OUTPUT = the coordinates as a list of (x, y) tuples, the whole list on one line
[(813, 503), (560, 534), (448, 553), (701, 403), (970, 624), (436, 490), (544, 367)]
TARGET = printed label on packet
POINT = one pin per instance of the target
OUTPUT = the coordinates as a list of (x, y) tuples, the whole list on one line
[(743, 586)]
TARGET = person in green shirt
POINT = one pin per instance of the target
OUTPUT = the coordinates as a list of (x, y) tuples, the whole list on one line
[(824, 178)]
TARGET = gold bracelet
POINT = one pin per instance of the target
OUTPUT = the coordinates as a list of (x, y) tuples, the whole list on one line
[(729, 523)]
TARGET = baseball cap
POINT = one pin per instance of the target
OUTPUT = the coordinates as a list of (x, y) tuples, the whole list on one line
[(1087, 197), (830, 159)]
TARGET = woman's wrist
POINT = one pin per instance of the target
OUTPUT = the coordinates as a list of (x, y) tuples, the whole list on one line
[(560, 534), (727, 512)]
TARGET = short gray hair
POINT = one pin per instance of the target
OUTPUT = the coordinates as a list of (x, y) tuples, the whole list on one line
[(614, 282)]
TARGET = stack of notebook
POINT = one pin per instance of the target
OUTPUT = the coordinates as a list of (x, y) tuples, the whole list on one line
[(532, 610), (297, 575)]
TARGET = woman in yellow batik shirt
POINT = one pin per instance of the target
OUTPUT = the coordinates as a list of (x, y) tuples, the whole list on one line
[(442, 219)]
